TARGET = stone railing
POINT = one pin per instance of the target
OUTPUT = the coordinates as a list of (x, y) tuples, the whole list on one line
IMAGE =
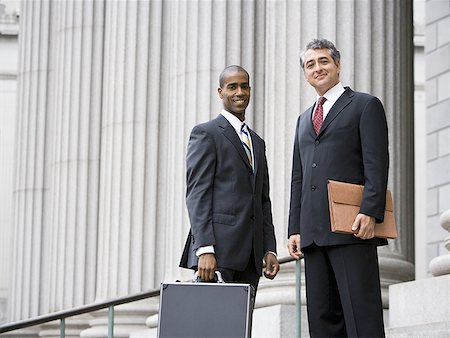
[(441, 265)]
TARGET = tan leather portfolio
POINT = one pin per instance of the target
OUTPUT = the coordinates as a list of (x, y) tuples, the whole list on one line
[(345, 200)]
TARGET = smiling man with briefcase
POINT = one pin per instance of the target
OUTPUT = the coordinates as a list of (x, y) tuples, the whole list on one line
[(227, 193)]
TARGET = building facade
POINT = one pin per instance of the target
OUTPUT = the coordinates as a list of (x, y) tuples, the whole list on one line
[(107, 92)]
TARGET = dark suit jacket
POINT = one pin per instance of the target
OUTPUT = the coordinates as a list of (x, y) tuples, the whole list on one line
[(352, 146), (228, 204)]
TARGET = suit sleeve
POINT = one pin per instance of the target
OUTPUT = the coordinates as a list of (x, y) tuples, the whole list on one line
[(296, 188), (200, 172), (374, 147), (269, 232)]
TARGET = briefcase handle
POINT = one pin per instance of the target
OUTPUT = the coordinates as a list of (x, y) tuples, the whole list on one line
[(219, 278)]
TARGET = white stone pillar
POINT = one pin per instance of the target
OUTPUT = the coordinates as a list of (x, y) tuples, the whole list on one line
[(8, 87), (128, 238), (74, 129), (29, 267), (58, 133), (281, 81)]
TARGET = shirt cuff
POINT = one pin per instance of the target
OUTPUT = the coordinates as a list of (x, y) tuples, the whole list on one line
[(270, 252), (204, 250)]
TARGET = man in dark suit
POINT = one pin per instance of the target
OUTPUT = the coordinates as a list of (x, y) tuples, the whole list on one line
[(342, 137), (228, 192)]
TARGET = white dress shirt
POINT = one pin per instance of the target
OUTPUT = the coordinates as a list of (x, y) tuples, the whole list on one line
[(332, 95)]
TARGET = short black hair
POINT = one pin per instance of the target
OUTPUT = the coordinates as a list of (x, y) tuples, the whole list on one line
[(227, 70)]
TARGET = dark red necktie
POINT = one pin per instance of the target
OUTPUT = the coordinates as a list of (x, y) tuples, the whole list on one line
[(318, 115)]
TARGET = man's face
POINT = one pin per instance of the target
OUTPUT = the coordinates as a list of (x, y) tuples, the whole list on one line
[(235, 93), (320, 70)]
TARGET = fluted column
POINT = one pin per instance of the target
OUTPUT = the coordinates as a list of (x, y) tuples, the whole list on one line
[(74, 127), (57, 159), (75, 150), (9, 22), (280, 108), (30, 267), (127, 231)]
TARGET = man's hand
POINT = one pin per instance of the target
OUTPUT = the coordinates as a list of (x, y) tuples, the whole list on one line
[(294, 246), (207, 266), (272, 266), (364, 226)]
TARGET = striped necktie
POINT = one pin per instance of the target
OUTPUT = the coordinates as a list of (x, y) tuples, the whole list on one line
[(245, 138)]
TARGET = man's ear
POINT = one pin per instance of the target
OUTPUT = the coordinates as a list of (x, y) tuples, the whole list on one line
[(219, 90)]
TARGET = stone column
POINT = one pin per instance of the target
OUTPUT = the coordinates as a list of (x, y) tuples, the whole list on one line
[(9, 27), (30, 268), (58, 137), (437, 57), (130, 140), (280, 107)]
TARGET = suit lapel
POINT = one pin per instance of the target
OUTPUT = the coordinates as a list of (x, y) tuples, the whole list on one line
[(256, 150), (230, 134), (337, 108), (309, 113)]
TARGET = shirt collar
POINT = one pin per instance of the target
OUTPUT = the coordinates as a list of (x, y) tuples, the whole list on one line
[(333, 94), (234, 121)]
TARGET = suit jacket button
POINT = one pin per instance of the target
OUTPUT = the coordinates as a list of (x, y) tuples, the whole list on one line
[(314, 165), (313, 187), (317, 142), (252, 217), (250, 172)]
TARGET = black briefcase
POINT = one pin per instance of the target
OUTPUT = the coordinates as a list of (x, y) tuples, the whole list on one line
[(205, 310)]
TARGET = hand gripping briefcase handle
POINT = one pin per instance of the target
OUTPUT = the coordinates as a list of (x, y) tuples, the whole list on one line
[(219, 278)]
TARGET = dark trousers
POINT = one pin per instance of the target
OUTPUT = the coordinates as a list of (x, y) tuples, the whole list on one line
[(343, 291), (249, 275)]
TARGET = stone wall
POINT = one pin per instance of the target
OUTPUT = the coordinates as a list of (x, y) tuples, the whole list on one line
[(437, 49)]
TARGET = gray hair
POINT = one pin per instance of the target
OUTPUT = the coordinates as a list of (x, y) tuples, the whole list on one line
[(321, 44)]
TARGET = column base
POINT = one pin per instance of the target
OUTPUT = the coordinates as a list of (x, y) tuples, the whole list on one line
[(152, 327), (393, 269), (281, 290)]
